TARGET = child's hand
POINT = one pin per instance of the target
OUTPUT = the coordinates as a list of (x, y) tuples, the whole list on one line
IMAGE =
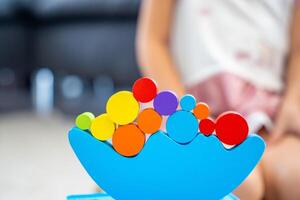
[(288, 117)]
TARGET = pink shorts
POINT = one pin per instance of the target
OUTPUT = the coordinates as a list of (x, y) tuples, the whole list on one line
[(225, 91)]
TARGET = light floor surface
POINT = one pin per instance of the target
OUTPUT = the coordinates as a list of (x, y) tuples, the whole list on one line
[(36, 161)]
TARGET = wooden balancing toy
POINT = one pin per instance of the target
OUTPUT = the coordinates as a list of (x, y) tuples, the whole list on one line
[(171, 150)]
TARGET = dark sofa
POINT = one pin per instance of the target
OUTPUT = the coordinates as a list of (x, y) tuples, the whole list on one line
[(91, 39)]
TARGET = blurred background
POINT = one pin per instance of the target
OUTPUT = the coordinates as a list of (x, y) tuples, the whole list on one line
[(58, 58)]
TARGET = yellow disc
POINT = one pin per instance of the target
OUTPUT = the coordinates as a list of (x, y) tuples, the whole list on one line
[(102, 127), (122, 107)]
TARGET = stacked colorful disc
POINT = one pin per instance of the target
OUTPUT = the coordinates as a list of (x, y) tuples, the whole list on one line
[(127, 125)]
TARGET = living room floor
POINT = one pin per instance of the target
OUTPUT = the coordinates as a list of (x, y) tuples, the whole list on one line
[(36, 159)]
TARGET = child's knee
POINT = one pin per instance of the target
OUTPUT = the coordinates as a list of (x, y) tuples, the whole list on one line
[(282, 169), (253, 187)]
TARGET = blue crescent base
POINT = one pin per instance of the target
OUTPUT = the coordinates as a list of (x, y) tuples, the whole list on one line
[(103, 196), (164, 169)]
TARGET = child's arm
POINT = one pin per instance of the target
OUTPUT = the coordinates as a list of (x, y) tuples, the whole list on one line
[(152, 44), (288, 118)]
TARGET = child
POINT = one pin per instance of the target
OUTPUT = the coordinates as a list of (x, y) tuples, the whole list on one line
[(232, 55)]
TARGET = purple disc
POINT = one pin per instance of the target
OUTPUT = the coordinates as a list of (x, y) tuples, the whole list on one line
[(165, 103)]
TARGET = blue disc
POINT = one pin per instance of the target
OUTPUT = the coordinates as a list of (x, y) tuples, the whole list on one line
[(188, 102), (182, 126)]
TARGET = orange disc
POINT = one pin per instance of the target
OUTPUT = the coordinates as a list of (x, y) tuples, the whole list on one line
[(201, 111), (149, 121), (128, 140)]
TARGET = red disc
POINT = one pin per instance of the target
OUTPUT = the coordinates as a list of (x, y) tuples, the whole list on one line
[(144, 89), (207, 126), (231, 128)]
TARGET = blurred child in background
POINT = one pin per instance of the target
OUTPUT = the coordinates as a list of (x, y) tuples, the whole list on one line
[(234, 55)]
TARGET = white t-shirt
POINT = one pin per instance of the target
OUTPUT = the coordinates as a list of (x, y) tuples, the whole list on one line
[(248, 38)]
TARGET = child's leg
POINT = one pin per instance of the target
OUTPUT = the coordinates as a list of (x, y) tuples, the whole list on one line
[(253, 187), (281, 167)]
